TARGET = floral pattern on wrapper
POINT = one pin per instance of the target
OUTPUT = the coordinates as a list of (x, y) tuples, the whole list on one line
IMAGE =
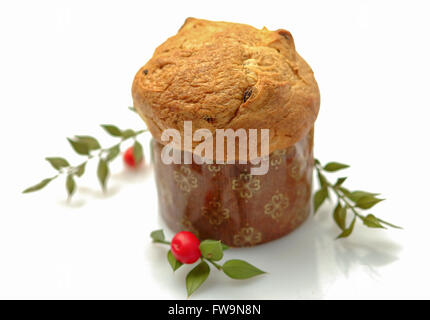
[(185, 180), (247, 236), (246, 184), (277, 158), (276, 206), (215, 213), (214, 169), (187, 225)]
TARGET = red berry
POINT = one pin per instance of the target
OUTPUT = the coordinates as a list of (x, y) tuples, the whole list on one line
[(129, 158), (185, 247)]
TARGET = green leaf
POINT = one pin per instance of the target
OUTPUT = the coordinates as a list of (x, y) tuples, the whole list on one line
[(128, 133), (137, 152), (356, 195), (102, 173), (346, 192), (340, 181), (80, 170), (372, 222), (319, 197), (112, 130), (39, 186), (322, 180), (91, 142), (196, 277), (175, 264), (239, 269), (113, 152), (211, 249), (389, 224), (157, 235), (70, 185), (316, 161), (224, 246), (347, 232), (79, 147), (367, 202), (58, 163), (132, 109), (339, 216), (334, 166)]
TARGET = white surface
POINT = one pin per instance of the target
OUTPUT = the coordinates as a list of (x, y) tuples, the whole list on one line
[(66, 67)]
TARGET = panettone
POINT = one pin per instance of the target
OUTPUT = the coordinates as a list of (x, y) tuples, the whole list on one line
[(221, 75)]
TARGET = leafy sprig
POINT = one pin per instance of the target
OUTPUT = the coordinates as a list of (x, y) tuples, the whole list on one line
[(348, 202), (212, 252), (90, 148)]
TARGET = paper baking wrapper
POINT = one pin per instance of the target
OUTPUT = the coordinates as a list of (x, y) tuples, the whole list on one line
[(227, 203)]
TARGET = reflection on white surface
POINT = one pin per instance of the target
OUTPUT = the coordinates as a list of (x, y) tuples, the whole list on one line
[(303, 264)]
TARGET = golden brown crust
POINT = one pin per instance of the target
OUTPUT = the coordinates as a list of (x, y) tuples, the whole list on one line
[(225, 75)]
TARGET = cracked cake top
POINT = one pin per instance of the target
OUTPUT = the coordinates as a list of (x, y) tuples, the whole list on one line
[(225, 75)]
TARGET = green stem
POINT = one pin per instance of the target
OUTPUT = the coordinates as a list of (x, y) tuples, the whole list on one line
[(162, 241), (216, 265), (346, 202), (339, 194), (70, 169)]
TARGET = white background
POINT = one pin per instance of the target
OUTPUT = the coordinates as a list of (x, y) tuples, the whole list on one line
[(66, 67)]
